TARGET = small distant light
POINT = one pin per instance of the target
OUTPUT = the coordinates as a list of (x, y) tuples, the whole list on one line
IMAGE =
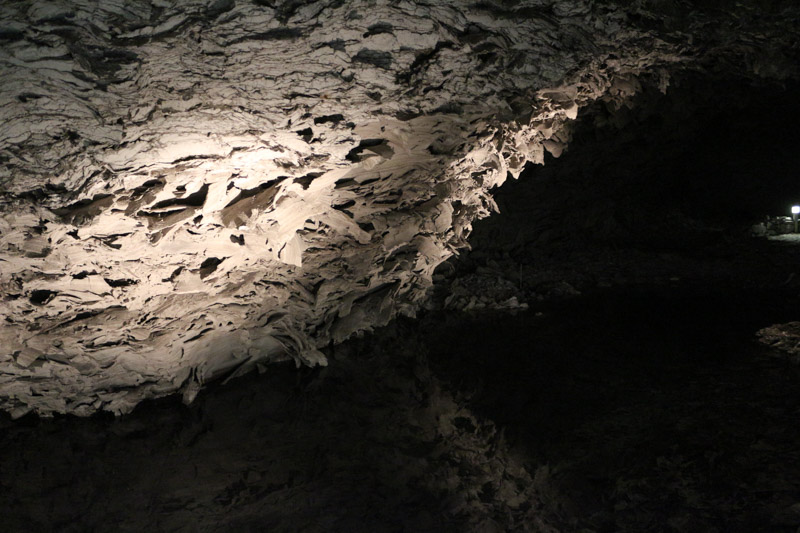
[(795, 209)]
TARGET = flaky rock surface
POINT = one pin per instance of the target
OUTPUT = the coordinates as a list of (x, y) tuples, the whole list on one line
[(190, 190)]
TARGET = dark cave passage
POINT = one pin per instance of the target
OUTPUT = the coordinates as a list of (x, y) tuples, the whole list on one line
[(679, 171), (664, 193), (632, 395), (649, 409)]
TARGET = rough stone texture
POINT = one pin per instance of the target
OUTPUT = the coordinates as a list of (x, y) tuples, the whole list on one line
[(190, 190), (784, 338)]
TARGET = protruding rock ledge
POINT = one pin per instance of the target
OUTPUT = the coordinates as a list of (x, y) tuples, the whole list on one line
[(194, 190)]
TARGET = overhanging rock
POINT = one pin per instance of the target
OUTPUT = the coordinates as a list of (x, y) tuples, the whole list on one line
[(190, 190)]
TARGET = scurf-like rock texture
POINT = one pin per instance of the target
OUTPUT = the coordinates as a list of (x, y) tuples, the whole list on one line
[(190, 190)]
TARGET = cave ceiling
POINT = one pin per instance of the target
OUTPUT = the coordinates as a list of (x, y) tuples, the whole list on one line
[(190, 190)]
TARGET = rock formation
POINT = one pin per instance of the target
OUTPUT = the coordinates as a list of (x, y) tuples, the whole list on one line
[(191, 190)]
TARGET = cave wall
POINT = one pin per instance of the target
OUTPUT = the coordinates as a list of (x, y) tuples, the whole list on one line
[(191, 190)]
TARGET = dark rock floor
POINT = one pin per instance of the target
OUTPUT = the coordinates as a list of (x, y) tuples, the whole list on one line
[(372, 443), (642, 410), (649, 409)]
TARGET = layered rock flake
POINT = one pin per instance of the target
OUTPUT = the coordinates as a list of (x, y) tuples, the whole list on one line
[(191, 190)]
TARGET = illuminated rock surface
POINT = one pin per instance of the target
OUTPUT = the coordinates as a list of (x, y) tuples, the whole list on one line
[(190, 190)]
